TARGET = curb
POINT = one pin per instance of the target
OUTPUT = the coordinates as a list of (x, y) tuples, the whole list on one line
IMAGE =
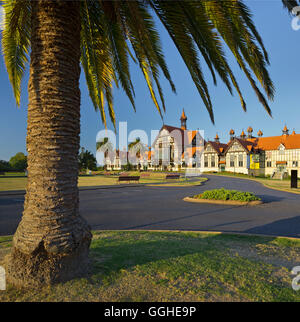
[(224, 202), (213, 232)]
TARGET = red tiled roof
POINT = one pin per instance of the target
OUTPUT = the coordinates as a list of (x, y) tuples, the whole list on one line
[(273, 142), (185, 137)]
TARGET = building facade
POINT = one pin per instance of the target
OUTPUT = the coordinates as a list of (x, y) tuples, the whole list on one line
[(273, 156), (177, 148)]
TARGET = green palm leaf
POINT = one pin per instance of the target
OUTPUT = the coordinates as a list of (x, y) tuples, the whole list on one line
[(16, 41), (200, 31)]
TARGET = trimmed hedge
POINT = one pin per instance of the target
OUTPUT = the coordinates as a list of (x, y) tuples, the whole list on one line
[(223, 194)]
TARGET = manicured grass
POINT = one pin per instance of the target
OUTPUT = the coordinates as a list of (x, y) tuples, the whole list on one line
[(284, 185), (181, 183), (8, 184), (177, 266), (13, 174), (223, 194)]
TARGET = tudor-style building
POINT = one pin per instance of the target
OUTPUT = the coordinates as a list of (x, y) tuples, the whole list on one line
[(213, 158), (176, 147), (273, 156)]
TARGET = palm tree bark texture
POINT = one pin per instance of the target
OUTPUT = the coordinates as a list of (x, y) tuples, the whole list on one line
[(52, 241)]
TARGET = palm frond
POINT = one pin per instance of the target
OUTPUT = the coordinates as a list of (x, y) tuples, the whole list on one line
[(16, 41), (290, 4), (96, 61), (110, 30)]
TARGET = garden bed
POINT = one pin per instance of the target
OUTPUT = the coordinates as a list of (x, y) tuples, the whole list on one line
[(228, 197)]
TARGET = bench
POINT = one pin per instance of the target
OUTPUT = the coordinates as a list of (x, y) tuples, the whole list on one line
[(128, 178), (172, 176)]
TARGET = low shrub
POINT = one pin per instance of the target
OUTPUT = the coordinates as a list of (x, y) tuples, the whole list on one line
[(223, 194)]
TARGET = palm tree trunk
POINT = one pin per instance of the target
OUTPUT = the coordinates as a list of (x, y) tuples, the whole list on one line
[(52, 241)]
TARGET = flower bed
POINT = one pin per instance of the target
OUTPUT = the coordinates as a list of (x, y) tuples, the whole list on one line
[(223, 196)]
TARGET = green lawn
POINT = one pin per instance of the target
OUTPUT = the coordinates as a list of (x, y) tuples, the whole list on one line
[(177, 266), (19, 183), (7, 184)]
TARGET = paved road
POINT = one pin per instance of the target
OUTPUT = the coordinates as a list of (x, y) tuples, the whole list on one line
[(162, 208)]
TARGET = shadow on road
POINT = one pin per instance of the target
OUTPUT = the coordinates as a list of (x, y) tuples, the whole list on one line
[(171, 220), (284, 227), (269, 198)]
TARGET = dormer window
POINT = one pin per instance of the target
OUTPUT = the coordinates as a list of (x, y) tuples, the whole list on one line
[(281, 149)]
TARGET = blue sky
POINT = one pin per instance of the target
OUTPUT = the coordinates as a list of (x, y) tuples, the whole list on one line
[(283, 46)]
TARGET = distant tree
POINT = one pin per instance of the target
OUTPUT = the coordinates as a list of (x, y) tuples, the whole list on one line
[(87, 160), (18, 162), (128, 167), (4, 166)]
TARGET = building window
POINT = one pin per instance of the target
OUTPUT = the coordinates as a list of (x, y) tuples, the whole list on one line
[(213, 162), (206, 161), (241, 163), (281, 150), (232, 160), (269, 164), (295, 164)]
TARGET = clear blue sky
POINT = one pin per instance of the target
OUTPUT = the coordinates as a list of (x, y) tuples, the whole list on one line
[(283, 46)]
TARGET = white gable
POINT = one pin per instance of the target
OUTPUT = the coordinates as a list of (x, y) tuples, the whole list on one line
[(236, 146)]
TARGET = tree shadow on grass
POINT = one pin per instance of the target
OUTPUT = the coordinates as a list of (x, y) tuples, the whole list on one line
[(111, 256)]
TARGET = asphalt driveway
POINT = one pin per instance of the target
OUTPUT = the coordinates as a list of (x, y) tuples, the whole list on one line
[(162, 208)]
